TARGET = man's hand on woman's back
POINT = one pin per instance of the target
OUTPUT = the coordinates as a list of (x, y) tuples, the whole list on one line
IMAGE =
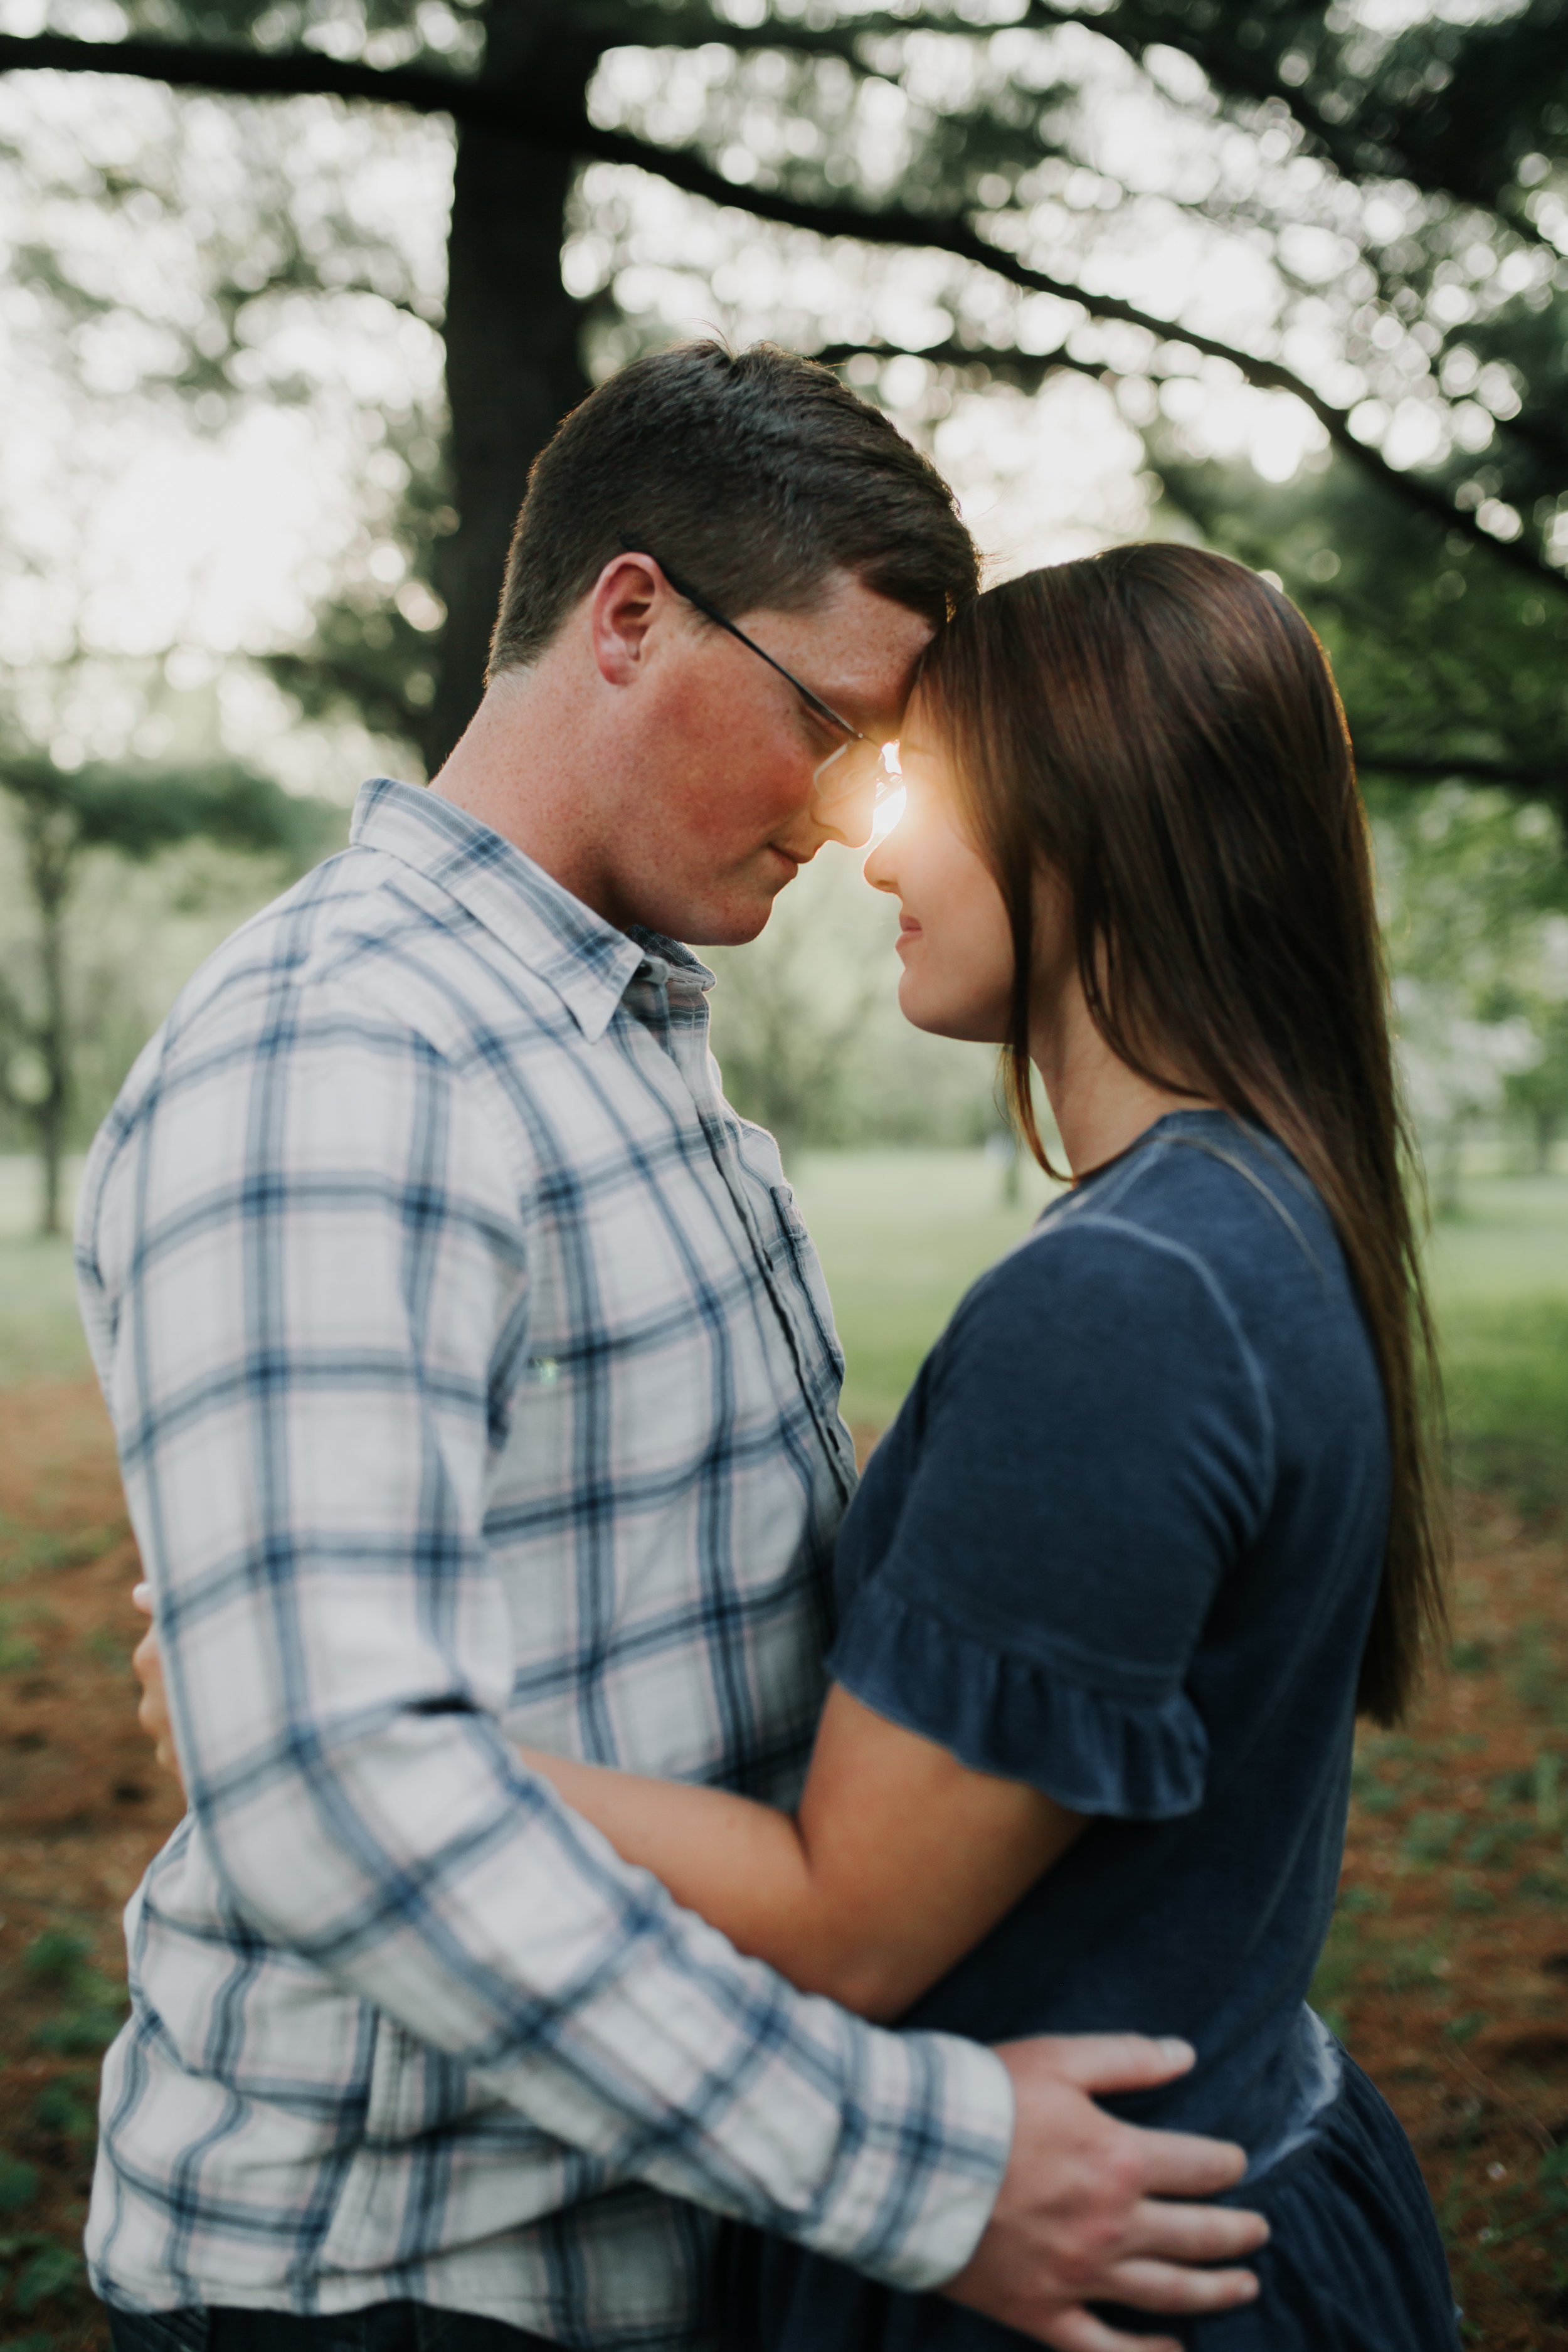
[(1084, 2213)]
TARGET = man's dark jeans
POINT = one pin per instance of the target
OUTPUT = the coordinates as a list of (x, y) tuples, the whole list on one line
[(382, 2327)]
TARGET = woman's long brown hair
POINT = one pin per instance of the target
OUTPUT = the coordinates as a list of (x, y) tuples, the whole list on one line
[(1160, 727)]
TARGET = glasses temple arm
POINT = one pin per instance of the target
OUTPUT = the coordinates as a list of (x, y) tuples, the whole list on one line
[(683, 589)]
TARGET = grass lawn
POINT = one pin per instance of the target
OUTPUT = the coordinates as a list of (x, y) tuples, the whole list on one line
[(1446, 1962), (1499, 1275), (902, 1235), (40, 1336)]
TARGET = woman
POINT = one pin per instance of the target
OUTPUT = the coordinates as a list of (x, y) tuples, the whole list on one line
[(1157, 1516)]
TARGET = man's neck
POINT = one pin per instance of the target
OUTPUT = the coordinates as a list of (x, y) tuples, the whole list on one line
[(522, 767)]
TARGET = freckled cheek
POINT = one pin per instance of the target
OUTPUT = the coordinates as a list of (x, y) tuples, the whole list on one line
[(740, 792)]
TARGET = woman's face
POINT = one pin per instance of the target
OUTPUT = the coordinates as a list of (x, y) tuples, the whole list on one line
[(954, 941)]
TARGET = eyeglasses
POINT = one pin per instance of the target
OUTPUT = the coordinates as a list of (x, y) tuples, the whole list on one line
[(857, 765)]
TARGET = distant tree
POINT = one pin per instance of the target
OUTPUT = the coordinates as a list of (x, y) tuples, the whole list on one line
[(1474, 886), (61, 817), (1403, 199), (1540, 1094), (373, 651), (808, 1034), (1451, 666), (791, 1010), (1403, 193)]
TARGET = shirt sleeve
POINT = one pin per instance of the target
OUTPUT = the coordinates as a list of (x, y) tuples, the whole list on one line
[(1093, 1452), (305, 1275)]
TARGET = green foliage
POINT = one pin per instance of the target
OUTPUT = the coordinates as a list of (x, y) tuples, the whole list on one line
[(61, 2111), (48, 2271), (18, 1653), (57, 1956), (41, 1331), (787, 1015), (1338, 1965), (374, 652), (1409, 243), (1429, 1837), (902, 1234), (1442, 654), (92, 2009), (139, 810), (18, 2184), (64, 816), (82, 2031), (1506, 1372), (1540, 1094)]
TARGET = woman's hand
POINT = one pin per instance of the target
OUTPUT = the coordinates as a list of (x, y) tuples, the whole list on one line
[(152, 1714)]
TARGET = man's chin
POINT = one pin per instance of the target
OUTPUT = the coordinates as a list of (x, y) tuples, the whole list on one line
[(733, 926), (734, 918)]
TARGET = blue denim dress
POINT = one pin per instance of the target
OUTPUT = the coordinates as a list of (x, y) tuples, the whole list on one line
[(1123, 1543)]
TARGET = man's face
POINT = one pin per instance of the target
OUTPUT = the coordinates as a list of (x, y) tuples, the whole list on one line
[(714, 753)]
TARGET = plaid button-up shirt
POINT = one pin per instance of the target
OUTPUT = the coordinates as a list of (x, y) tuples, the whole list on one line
[(474, 1382)]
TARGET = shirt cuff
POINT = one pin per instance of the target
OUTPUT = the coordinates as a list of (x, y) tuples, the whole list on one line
[(916, 2183)]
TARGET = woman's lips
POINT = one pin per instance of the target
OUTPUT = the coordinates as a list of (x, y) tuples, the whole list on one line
[(908, 932)]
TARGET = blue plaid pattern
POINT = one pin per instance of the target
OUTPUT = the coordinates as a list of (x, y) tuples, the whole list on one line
[(474, 1382)]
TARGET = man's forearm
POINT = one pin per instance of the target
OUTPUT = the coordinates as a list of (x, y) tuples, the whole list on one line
[(699, 1841), (622, 2024)]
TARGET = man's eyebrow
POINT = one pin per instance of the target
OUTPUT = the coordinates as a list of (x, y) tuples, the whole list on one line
[(879, 717)]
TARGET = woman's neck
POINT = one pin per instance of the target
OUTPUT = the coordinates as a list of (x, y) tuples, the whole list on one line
[(1099, 1105)]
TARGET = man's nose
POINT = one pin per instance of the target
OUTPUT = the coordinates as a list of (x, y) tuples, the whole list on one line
[(848, 820)]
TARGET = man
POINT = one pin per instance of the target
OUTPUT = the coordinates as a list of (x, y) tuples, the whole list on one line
[(475, 1382)]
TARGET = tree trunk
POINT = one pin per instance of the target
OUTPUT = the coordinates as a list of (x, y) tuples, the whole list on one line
[(1546, 1122), (50, 878), (1448, 1202), (513, 363)]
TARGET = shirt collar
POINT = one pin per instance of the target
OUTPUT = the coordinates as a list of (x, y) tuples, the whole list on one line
[(587, 963)]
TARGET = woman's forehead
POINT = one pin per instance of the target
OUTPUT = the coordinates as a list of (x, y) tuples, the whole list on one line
[(921, 735)]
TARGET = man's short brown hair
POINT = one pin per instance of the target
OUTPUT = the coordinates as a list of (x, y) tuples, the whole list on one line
[(753, 473)]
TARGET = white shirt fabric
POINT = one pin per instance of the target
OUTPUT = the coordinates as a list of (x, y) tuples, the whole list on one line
[(475, 1382)]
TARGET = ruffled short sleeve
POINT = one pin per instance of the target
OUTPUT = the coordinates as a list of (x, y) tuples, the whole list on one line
[(1027, 1573)]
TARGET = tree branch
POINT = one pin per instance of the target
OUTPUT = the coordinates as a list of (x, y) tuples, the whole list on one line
[(254, 73), (1027, 370), (270, 73), (1546, 776), (1250, 76)]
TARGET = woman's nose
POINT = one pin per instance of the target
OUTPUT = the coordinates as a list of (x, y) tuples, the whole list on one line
[(879, 868)]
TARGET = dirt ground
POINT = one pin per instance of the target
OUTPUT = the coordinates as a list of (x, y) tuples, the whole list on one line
[(1447, 1972)]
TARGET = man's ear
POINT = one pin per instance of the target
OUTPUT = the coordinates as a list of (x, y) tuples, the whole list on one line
[(629, 598)]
